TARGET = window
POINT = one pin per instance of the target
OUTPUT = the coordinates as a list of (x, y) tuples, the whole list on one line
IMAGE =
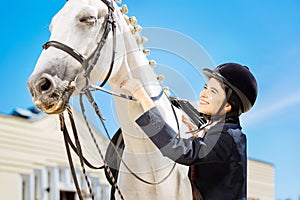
[(66, 195), (26, 187), (38, 186), (54, 183)]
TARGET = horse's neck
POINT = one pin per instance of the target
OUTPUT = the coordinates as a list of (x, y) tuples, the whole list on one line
[(134, 64)]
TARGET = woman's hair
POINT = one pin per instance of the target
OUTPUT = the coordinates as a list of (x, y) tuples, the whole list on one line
[(236, 103)]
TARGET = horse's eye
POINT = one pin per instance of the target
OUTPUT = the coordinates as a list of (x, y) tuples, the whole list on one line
[(90, 20)]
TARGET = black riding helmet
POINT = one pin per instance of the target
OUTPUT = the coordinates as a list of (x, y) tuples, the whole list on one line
[(239, 79)]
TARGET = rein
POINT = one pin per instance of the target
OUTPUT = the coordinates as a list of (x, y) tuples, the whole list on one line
[(78, 150), (88, 65), (96, 108)]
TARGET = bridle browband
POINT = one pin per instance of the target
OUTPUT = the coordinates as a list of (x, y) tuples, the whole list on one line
[(89, 63)]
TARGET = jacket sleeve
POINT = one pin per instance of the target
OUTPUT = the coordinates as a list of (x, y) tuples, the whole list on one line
[(184, 151)]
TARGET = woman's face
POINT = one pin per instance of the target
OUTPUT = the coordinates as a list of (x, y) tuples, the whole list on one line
[(212, 98)]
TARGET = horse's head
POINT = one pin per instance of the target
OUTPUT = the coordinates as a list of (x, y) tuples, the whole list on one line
[(80, 25)]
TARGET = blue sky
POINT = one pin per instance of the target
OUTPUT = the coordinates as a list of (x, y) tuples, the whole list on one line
[(261, 34)]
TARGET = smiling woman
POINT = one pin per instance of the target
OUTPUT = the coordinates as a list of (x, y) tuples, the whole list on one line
[(217, 154), (212, 97)]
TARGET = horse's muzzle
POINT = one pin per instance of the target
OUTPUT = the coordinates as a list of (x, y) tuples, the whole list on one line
[(50, 94)]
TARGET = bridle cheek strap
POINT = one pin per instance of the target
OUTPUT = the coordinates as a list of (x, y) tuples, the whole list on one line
[(89, 63)]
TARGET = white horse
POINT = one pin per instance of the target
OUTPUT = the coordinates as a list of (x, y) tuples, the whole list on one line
[(80, 25)]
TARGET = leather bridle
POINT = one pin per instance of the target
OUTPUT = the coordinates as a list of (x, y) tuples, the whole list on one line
[(88, 65)]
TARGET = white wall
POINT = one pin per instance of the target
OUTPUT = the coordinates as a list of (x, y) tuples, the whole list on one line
[(9, 186), (30, 146)]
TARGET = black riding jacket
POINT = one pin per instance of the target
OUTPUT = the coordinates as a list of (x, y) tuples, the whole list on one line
[(219, 157)]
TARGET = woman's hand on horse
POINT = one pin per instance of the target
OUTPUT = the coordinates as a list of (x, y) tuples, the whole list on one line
[(136, 88), (131, 85), (189, 124), (192, 127)]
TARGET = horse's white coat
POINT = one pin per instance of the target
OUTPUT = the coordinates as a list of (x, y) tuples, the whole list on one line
[(140, 154)]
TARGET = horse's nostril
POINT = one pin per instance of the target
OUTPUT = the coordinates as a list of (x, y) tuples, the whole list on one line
[(45, 84)]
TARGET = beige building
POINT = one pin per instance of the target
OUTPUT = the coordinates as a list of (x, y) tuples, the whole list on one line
[(34, 165), (261, 180), (33, 161)]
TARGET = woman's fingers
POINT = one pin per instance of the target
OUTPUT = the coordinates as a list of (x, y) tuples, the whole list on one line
[(131, 85), (190, 125)]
